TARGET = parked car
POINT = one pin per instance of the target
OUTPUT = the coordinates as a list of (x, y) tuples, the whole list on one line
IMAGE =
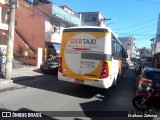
[(50, 66), (148, 77)]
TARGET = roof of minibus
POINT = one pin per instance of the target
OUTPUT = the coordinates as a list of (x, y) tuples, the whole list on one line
[(82, 27), (71, 29)]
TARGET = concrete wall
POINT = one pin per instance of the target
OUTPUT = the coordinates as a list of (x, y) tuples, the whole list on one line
[(92, 19), (3, 18), (31, 25), (129, 44), (157, 39), (87, 18)]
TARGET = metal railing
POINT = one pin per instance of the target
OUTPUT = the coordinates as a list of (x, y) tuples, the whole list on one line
[(65, 15)]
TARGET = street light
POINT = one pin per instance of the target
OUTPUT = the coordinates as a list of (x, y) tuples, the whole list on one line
[(112, 23), (100, 21)]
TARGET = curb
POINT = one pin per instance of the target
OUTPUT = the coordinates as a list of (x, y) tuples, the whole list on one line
[(4, 82), (20, 74)]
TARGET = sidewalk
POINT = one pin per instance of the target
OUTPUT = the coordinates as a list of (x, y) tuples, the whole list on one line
[(21, 74)]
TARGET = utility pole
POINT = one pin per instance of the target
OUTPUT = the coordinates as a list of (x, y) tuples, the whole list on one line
[(10, 43)]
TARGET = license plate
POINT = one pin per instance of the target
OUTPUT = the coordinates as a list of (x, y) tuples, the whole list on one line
[(79, 81)]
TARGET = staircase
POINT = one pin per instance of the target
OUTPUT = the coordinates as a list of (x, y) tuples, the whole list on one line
[(25, 42)]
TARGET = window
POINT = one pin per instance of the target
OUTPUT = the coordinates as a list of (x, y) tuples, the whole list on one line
[(94, 19), (116, 49), (87, 20), (56, 28)]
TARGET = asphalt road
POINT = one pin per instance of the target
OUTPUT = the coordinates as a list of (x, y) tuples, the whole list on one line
[(46, 93)]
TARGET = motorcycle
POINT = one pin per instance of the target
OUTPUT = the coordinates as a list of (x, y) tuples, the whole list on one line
[(149, 99)]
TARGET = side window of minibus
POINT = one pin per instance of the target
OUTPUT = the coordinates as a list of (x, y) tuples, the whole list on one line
[(118, 51), (114, 46), (121, 53)]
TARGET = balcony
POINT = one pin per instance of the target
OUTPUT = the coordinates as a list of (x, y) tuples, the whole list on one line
[(56, 38), (53, 37), (64, 16)]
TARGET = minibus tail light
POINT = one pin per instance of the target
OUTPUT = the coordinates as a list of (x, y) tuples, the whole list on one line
[(60, 65), (105, 70)]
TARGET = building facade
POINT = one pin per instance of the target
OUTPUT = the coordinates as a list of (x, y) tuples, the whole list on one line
[(156, 44), (137, 55), (3, 22), (129, 45), (144, 52), (38, 26), (92, 19)]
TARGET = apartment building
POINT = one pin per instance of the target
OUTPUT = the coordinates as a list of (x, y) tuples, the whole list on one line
[(38, 26), (156, 42), (129, 45), (92, 19)]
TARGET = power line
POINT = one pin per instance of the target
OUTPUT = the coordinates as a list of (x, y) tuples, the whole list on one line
[(140, 29), (150, 1), (139, 33), (44, 15), (136, 25)]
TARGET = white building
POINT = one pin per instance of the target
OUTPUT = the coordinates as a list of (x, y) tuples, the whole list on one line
[(157, 39), (129, 45), (92, 19)]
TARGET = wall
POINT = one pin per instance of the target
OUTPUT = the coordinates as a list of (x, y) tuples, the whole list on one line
[(31, 25), (3, 19), (19, 46), (157, 39), (131, 47), (89, 18), (103, 22)]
